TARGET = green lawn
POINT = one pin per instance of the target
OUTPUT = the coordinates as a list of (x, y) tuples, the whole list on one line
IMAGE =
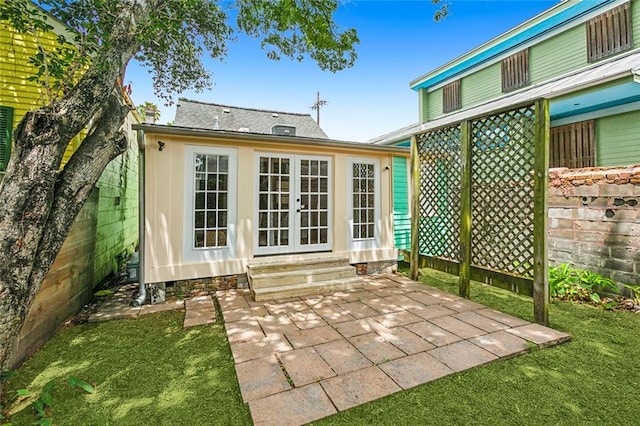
[(151, 371)]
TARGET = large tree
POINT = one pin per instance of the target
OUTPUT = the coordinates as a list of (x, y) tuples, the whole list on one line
[(83, 75)]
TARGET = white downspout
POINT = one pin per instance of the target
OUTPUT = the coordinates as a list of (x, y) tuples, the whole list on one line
[(142, 291)]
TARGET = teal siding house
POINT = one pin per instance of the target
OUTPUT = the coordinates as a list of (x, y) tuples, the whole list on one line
[(400, 186), (583, 55)]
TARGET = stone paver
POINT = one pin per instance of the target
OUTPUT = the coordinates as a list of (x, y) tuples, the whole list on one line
[(396, 319), (415, 370), (305, 366), (481, 322), (358, 387), (431, 311), (244, 331), (295, 407), (357, 327), (161, 307), (312, 336), (462, 355), (433, 333), (359, 309), (342, 356), (457, 327), (376, 348), (307, 319), (403, 339), (277, 324), (200, 302), (244, 313), (272, 344), (507, 319), (502, 344), (304, 358), (261, 377), (195, 317), (540, 335)]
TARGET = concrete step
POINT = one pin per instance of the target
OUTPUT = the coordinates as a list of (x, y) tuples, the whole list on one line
[(300, 276), (306, 289), (258, 267)]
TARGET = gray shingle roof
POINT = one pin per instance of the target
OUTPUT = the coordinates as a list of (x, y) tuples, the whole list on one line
[(202, 115)]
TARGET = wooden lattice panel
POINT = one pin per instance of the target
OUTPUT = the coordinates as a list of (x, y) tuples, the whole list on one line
[(439, 199), (503, 153)]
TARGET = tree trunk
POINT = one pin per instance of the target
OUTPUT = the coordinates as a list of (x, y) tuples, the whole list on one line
[(38, 200)]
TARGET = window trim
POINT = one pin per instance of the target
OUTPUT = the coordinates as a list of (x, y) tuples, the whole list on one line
[(5, 136), (376, 241), (191, 254)]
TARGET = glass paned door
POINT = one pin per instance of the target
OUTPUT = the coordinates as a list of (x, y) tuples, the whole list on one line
[(313, 205), (293, 202)]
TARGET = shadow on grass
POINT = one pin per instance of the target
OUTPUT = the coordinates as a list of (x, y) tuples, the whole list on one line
[(146, 371)]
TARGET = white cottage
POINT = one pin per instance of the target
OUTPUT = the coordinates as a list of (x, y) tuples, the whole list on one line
[(234, 192)]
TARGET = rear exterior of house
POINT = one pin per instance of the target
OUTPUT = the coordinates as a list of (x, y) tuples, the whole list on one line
[(218, 202), (582, 55)]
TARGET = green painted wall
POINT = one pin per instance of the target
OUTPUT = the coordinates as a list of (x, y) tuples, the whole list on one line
[(117, 228), (555, 56), (482, 85), (618, 139), (635, 22), (401, 217), (433, 105)]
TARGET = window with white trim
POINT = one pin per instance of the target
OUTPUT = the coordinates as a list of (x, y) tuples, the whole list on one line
[(211, 200), (364, 205), (210, 203)]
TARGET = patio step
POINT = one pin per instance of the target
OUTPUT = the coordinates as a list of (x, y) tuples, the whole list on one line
[(275, 279), (307, 289)]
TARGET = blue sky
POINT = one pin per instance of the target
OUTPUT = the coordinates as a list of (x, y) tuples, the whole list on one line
[(399, 41)]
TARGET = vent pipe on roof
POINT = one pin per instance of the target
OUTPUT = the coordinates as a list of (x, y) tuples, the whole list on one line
[(216, 123)]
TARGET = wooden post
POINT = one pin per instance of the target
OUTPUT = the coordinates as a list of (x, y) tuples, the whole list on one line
[(415, 210), (465, 210), (540, 214)]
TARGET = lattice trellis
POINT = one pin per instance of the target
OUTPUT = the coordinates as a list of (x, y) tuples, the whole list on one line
[(502, 173), (439, 198)]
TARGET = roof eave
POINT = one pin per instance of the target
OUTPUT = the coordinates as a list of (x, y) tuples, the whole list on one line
[(245, 137)]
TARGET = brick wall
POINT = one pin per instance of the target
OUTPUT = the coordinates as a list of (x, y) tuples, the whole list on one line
[(594, 220)]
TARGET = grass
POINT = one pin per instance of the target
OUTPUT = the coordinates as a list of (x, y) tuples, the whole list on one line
[(151, 371), (146, 371)]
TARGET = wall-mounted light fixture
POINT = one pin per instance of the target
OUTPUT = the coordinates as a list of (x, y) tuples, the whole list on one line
[(160, 145)]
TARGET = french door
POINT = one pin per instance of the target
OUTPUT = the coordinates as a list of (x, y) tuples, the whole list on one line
[(294, 204)]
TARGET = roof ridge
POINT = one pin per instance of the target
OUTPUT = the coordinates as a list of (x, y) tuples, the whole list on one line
[(244, 108)]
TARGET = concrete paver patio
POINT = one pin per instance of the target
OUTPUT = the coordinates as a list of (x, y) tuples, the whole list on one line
[(305, 358)]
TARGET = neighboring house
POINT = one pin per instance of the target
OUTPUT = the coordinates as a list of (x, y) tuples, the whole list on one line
[(219, 202), (201, 115), (106, 230), (400, 188), (582, 55)]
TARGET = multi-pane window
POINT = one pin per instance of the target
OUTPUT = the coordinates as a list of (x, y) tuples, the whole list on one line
[(314, 202), (363, 201), (211, 200), (609, 33), (515, 71), (573, 145), (273, 201), (451, 97), (6, 123)]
